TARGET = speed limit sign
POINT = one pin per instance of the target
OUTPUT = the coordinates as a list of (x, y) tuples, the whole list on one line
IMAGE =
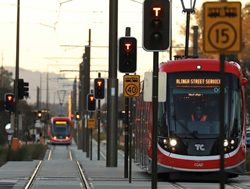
[(131, 85), (222, 27)]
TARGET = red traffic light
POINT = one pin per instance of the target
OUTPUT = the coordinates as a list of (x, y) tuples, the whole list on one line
[(99, 83), (128, 46), (9, 101), (9, 98), (99, 88), (156, 19), (91, 98), (127, 54), (156, 11), (91, 102)]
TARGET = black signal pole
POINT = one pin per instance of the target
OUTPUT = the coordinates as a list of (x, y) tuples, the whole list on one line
[(126, 148), (17, 70), (112, 92), (98, 124), (155, 117), (222, 119), (85, 92)]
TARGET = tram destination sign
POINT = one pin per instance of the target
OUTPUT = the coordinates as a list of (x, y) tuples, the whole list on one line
[(222, 27), (197, 82)]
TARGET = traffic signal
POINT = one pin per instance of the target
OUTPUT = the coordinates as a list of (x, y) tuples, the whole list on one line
[(91, 102), (127, 54), (39, 114), (99, 88), (23, 89), (9, 102), (78, 116), (156, 25)]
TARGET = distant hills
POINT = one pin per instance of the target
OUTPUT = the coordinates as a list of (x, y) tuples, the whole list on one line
[(59, 86)]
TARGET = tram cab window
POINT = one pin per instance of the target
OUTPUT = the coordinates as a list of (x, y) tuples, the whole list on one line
[(188, 90)]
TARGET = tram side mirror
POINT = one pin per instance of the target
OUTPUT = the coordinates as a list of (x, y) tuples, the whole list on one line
[(147, 86), (244, 81)]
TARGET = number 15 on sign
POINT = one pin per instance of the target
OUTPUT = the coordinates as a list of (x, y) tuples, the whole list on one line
[(222, 27)]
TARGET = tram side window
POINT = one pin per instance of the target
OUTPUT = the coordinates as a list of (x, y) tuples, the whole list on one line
[(162, 120), (236, 114)]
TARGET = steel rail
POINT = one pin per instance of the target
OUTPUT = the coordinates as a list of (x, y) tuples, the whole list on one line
[(70, 153), (32, 178), (234, 186), (177, 185), (84, 179), (50, 154)]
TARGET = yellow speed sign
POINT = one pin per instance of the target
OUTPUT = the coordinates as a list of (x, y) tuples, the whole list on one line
[(131, 85), (222, 27), (91, 123)]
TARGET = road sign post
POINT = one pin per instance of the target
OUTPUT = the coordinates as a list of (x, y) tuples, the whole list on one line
[(222, 34), (155, 38)]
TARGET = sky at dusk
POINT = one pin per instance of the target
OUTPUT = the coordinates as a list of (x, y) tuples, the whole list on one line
[(53, 32)]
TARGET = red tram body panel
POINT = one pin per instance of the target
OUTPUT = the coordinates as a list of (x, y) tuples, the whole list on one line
[(188, 145), (59, 131)]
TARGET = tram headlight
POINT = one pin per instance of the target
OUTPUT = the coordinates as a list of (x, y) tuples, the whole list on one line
[(173, 142), (226, 143), (198, 67), (54, 138), (229, 144), (165, 141)]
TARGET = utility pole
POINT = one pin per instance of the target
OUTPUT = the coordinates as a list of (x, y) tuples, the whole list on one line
[(85, 91), (74, 108), (38, 98), (195, 41), (80, 105)]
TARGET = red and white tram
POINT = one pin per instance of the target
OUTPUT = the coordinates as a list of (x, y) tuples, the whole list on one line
[(59, 130), (190, 145)]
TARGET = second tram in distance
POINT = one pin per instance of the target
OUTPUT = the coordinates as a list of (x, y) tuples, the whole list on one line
[(188, 122), (59, 130)]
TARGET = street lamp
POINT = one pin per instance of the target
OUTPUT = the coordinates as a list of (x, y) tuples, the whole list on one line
[(188, 6)]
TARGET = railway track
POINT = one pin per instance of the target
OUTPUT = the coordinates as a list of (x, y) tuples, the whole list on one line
[(56, 159), (62, 156), (195, 185)]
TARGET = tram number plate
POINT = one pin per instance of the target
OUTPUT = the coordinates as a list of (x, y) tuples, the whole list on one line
[(131, 85), (222, 27)]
